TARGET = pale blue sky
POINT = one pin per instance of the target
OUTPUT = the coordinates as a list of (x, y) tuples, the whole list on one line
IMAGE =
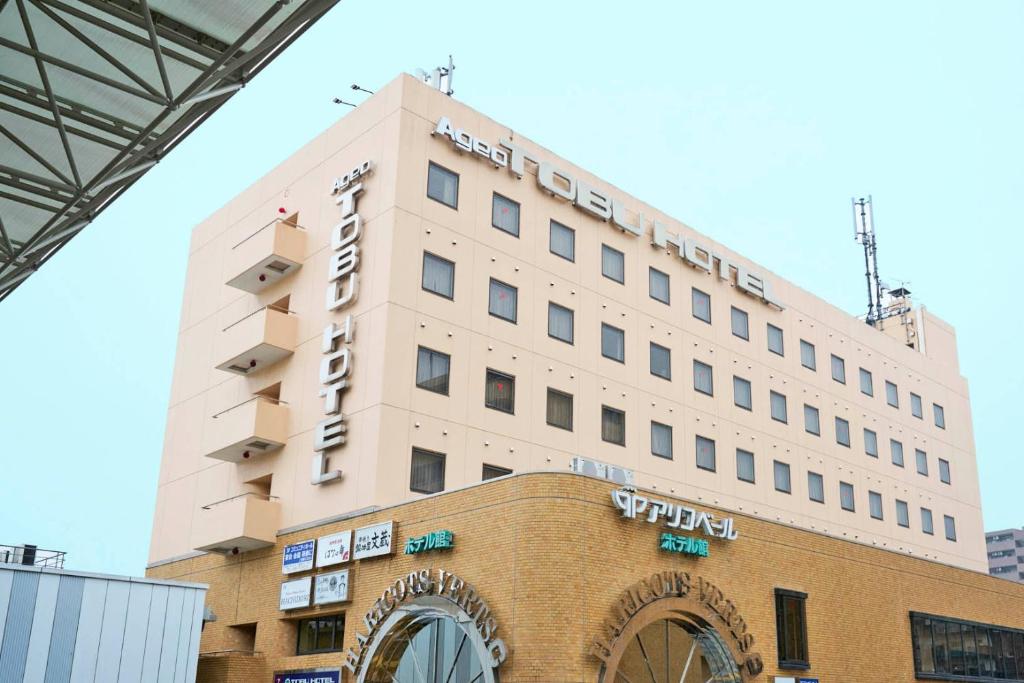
[(754, 122)]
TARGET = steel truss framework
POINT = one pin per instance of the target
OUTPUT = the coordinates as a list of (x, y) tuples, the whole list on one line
[(95, 92)]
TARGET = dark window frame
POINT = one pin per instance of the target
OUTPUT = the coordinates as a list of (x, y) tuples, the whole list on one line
[(572, 408), (799, 659), (698, 438), (610, 409), (444, 465), (789, 476), (782, 340), (336, 636), (552, 223), (651, 270), (515, 295), (443, 169), (694, 292), (785, 407), (494, 197), (495, 469), (1005, 633), (712, 373), (512, 382), (753, 466), (423, 272), (842, 364), (447, 382), (571, 341), (671, 439), (750, 393), (622, 256), (622, 333), (733, 310), (810, 496), (650, 358), (804, 344)]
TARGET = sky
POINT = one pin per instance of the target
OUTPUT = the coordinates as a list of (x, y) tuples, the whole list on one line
[(753, 122)]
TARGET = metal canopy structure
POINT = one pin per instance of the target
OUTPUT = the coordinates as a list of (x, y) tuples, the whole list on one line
[(95, 92)]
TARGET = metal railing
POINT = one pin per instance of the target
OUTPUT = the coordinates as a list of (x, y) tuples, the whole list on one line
[(264, 227), (275, 401), (30, 556), (271, 307), (261, 496)]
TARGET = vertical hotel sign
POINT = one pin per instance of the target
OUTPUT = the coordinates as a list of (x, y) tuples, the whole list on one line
[(342, 290)]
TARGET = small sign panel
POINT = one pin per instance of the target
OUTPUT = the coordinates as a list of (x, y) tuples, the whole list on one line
[(809, 680), (331, 588), (334, 549), (326, 676), (373, 541), (295, 594), (298, 557), (435, 540)]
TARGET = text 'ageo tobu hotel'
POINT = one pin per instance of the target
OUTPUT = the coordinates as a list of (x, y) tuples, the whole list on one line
[(421, 300)]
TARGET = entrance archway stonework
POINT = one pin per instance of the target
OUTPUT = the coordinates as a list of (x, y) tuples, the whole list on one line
[(675, 595)]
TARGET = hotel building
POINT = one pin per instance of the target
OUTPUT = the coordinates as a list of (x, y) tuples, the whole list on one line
[(700, 471)]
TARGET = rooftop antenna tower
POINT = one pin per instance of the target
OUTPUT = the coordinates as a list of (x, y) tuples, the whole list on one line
[(440, 78), (883, 301)]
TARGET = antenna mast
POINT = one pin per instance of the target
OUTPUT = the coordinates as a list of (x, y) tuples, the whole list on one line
[(440, 78), (864, 234)]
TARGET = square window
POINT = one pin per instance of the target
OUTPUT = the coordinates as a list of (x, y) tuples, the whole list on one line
[(842, 432), (791, 629), (782, 480), (871, 443), (661, 361), (443, 185), (703, 380), (744, 465), (613, 426), (560, 323), (319, 634), (944, 471), (875, 504), (867, 383), (902, 514), (562, 241), (613, 343), (940, 416), (892, 395), (897, 452), (705, 454), (613, 264), (701, 303), (922, 461), (741, 393), (778, 407), (846, 496), (505, 214), (915, 406), (559, 409), (950, 524), (493, 472), (838, 369), (503, 301), (657, 283), (661, 440), (438, 275), (816, 487), (807, 357), (427, 471), (926, 521), (812, 423), (775, 340), (500, 392), (432, 369), (740, 323)]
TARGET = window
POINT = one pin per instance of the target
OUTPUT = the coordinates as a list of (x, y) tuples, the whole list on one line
[(778, 407), (432, 370), (741, 393), (505, 214), (427, 471), (953, 649), (807, 358), (867, 383), (915, 406), (846, 496), (661, 440), (812, 423), (842, 432), (438, 275), (782, 480), (775, 340), (657, 283), (902, 513), (613, 343), (926, 521), (701, 303), (892, 396), (897, 452), (320, 634), (875, 504), (703, 380), (870, 443), (613, 426), (502, 302), (950, 525), (740, 323), (940, 416), (559, 412), (493, 472), (705, 454), (816, 487), (500, 392), (791, 629), (613, 264), (744, 465), (922, 461), (443, 185), (560, 323), (661, 361), (562, 241), (838, 369), (944, 471)]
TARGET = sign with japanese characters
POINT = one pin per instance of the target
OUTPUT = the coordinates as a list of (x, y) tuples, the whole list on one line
[(314, 676), (330, 588), (295, 593), (298, 557), (676, 515), (334, 549), (684, 545), (435, 540), (373, 541)]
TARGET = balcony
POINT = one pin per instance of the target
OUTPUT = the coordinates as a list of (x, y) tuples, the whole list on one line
[(257, 341), (270, 254), (236, 525), (252, 428)]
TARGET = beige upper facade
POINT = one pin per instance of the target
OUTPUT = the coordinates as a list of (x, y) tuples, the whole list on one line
[(245, 401)]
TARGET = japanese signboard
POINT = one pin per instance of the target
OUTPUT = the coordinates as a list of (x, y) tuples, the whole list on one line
[(298, 557), (332, 587), (295, 594), (373, 541), (435, 540), (684, 545), (334, 549), (676, 515), (324, 676)]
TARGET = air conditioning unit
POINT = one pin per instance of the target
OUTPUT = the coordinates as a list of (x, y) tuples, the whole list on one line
[(593, 468), (620, 475)]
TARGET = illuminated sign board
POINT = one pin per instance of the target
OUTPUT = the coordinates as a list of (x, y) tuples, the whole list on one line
[(684, 545), (435, 540), (676, 515)]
